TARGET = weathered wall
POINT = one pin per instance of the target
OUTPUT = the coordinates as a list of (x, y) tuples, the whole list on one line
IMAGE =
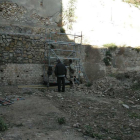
[(16, 74), (24, 28), (23, 58), (123, 60), (30, 13), (21, 49)]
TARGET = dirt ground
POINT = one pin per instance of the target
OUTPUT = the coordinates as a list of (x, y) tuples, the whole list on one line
[(108, 110)]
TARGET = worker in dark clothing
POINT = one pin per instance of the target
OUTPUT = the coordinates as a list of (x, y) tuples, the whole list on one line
[(60, 73)]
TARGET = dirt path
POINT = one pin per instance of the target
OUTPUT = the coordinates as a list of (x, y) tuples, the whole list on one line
[(35, 118), (89, 116)]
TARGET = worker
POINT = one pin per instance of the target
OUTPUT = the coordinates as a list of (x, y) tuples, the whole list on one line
[(71, 73), (60, 73)]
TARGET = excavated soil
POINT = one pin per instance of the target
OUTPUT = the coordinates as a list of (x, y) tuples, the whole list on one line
[(107, 110)]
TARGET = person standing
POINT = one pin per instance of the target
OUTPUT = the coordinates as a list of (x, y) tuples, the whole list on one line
[(60, 73)]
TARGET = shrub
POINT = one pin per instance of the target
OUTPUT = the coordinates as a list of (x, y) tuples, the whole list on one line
[(137, 49), (61, 120), (3, 125), (108, 58), (89, 132), (111, 46), (62, 30), (134, 116), (136, 86)]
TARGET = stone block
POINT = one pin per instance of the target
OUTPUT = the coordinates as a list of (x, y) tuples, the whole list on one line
[(24, 42), (27, 45), (19, 43), (9, 37), (6, 57), (30, 56), (19, 55), (18, 51), (30, 60), (25, 61), (8, 40), (11, 51), (3, 36), (24, 55), (15, 41), (12, 44), (20, 38), (42, 50), (5, 54), (4, 40), (11, 54)]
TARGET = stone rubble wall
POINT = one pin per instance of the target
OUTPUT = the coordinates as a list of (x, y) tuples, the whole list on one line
[(21, 49), (30, 13), (123, 60), (22, 57)]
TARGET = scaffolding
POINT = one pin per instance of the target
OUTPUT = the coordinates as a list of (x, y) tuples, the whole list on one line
[(57, 48)]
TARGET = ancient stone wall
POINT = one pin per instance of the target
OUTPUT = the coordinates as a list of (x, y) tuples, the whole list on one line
[(122, 60), (23, 56), (21, 49), (30, 13)]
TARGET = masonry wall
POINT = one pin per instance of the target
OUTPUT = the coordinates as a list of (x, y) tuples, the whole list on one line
[(37, 13), (23, 56), (123, 60)]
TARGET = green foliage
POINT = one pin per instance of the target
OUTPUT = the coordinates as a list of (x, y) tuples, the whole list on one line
[(136, 86), (108, 58), (135, 2), (3, 125), (62, 30), (137, 49), (61, 120), (111, 46), (134, 116), (89, 132)]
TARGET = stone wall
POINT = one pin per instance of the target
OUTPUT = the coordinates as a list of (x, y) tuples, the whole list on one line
[(23, 57), (21, 49), (123, 60), (27, 12)]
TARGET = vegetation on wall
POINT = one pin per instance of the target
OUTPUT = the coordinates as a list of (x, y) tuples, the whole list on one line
[(110, 46), (137, 49), (62, 30), (135, 2), (108, 58)]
